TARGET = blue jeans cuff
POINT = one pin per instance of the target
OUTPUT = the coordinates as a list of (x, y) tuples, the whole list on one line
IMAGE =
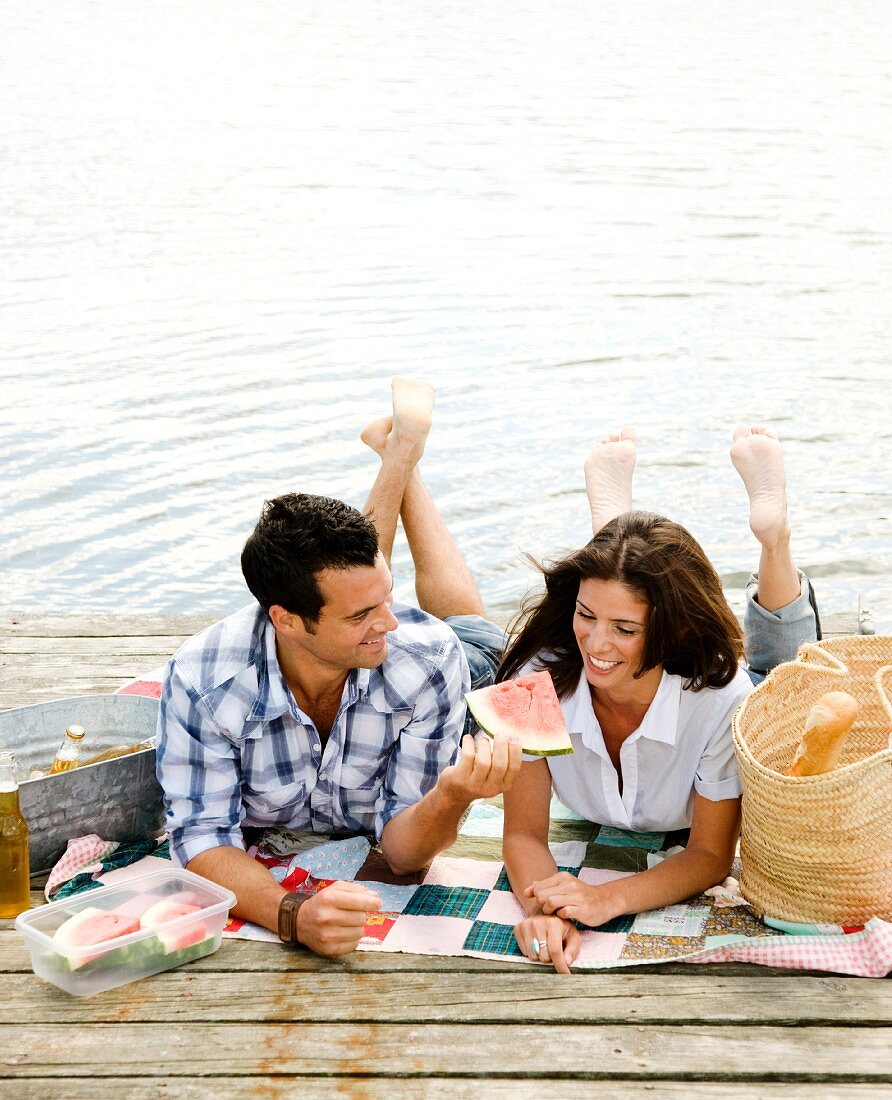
[(772, 637)]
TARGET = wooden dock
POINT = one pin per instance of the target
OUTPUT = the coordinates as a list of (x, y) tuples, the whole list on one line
[(263, 1020)]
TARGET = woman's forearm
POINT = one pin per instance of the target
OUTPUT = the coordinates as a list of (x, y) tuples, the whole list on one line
[(527, 859), (675, 879)]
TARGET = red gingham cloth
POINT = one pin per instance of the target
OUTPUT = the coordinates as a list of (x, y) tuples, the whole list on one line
[(84, 853), (149, 684), (866, 954)]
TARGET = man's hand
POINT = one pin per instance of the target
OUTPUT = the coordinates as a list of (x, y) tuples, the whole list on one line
[(557, 940), (481, 771), (565, 896), (331, 922)]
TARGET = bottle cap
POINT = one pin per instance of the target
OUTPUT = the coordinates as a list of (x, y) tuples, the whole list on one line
[(76, 733)]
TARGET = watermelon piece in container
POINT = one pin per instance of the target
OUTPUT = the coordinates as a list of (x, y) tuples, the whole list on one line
[(528, 707), (92, 926), (180, 934)]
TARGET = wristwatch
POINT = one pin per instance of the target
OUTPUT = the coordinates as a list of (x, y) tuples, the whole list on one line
[(288, 908)]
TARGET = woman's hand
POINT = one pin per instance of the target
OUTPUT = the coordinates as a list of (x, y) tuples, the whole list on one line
[(557, 939), (564, 895)]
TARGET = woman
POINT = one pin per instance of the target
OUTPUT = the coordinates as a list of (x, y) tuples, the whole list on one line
[(644, 653)]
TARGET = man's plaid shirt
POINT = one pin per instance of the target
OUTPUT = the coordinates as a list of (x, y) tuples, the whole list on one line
[(234, 749)]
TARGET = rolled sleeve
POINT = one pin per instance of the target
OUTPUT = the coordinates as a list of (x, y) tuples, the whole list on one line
[(430, 741), (198, 769), (717, 776)]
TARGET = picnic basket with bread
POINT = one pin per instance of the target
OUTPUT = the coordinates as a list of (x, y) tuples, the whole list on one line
[(814, 746)]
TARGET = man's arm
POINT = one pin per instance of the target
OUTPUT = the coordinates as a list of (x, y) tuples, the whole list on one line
[(412, 838), (329, 922), (258, 893)]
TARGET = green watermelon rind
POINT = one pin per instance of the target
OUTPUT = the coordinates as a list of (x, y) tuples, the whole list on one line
[(142, 955), (563, 748)]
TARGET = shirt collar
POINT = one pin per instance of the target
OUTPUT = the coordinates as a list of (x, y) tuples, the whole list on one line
[(274, 697), (660, 723)]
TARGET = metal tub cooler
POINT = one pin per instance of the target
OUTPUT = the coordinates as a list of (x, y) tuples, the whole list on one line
[(118, 799)]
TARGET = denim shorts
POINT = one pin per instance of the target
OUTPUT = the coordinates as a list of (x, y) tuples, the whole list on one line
[(483, 643)]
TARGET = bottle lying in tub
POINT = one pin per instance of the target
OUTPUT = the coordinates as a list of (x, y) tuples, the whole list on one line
[(120, 933)]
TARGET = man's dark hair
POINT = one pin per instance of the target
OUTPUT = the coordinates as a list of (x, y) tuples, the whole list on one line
[(297, 536)]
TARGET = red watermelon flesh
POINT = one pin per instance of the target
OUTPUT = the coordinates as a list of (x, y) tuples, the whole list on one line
[(173, 939), (528, 707), (92, 926)]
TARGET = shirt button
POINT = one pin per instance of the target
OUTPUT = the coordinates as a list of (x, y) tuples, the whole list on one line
[(317, 748)]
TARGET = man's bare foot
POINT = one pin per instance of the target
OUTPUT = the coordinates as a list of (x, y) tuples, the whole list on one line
[(608, 477), (375, 435), (758, 458), (403, 435), (413, 406)]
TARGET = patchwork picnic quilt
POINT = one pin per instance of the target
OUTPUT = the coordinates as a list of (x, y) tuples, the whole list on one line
[(463, 904)]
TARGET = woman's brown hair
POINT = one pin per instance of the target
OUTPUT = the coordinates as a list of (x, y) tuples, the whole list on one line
[(691, 631)]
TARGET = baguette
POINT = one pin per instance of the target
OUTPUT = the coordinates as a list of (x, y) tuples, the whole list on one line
[(826, 727)]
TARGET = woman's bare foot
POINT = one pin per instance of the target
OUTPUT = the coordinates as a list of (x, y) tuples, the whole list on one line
[(608, 477), (403, 435), (758, 458)]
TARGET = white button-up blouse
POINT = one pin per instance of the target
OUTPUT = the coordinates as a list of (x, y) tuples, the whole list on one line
[(683, 745)]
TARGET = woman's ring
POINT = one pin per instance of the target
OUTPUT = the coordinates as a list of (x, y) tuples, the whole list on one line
[(534, 946)]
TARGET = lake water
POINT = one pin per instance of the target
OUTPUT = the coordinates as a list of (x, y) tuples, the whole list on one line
[(225, 225)]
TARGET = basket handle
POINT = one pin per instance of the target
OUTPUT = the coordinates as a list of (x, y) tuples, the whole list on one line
[(813, 653), (881, 675)]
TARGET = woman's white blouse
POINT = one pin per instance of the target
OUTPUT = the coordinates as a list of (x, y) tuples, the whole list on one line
[(684, 744)]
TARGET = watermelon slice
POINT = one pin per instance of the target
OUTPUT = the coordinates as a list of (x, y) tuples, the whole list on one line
[(528, 707), (174, 939), (92, 926)]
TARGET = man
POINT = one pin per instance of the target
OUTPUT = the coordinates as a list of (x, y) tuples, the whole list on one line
[(326, 706)]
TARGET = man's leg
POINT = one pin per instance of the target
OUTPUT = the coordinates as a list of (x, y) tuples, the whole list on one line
[(399, 441), (608, 477), (779, 615), (443, 583)]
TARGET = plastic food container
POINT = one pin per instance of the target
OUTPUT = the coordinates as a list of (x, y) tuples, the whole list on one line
[(166, 900)]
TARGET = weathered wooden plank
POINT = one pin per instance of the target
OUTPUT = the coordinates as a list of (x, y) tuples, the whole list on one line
[(88, 625), (443, 1050), (17, 648), (525, 996), (383, 1088), (53, 667)]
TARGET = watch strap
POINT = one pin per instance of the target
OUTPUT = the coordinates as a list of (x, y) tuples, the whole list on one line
[(288, 908)]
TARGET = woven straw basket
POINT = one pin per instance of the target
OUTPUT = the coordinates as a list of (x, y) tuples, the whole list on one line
[(819, 848)]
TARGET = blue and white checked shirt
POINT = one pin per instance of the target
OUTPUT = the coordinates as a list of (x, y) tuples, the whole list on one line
[(235, 749)]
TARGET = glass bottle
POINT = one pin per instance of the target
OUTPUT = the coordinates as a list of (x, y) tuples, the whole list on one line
[(114, 751), (69, 754), (15, 884)]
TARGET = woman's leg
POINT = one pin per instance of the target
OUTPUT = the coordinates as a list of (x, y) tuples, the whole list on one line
[(780, 615)]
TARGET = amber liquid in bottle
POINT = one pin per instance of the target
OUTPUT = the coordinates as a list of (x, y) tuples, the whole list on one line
[(69, 754), (15, 886)]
